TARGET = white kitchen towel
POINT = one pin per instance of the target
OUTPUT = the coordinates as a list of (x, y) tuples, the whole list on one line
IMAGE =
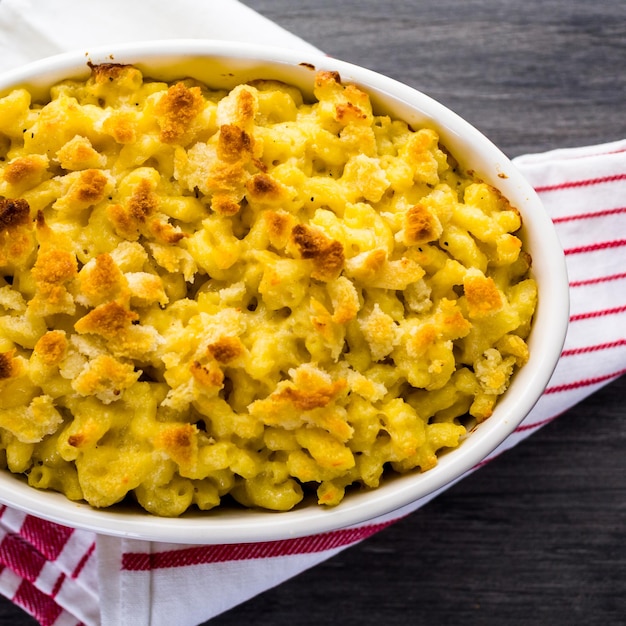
[(33, 29), (65, 576)]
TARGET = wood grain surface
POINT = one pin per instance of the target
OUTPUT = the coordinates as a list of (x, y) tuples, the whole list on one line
[(538, 536)]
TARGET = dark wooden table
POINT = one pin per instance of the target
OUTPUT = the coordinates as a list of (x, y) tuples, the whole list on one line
[(539, 535)]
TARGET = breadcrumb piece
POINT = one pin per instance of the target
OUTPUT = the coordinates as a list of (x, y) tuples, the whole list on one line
[(180, 442), (52, 347), (380, 332), (27, 170), (327, 255), (233, 143), (176, 109), (100, 281), (13, 213), (239, 107), (86, 188), (31, 423), (53, 271), (421, 225), (79, 154), (226, 349), (494, 372), (482, 294), (105, 378), (17, 240), (310, 389), (108, 320), (9, 367)]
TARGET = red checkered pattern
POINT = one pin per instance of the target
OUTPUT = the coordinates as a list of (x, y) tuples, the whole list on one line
[(46, 567)]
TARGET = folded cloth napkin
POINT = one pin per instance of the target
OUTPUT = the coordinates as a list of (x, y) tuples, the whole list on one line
[(64, 576)]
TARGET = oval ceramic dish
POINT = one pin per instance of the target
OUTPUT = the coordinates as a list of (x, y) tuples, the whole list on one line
[(225, 65)]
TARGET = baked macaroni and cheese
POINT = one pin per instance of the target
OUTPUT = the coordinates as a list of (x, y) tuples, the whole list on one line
[(208, 296)]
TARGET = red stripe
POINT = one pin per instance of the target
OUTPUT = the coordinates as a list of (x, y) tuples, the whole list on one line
[(47, 537), (597, 348), (524, 427), (597, 154), (593, 314), (586, 382), (40, 605), (21, 557), (79, 568), (581, 183), (603, 245), (599, 279), (57, 585), (587, 216), (617, 151), (200, 555)]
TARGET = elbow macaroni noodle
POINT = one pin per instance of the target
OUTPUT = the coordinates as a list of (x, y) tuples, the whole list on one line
[(210, 295)]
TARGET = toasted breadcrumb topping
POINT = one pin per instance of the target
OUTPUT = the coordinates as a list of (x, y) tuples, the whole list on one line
[(255, 293)]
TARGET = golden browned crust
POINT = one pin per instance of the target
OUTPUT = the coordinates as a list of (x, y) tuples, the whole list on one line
[(121, 128), (423, 338), (224, 204), (349, 112), (245, 106), (482, 294), (226, 177), (263, 187), (8, 366), (347, 306), (226, 349), (279, 227), (240, 107), (330, 262), (78, 154), (13, 213), (207, 375), (177, 108), (108, 320), (325, 77), (452, 320), (76, 440), (366, 265), (129, 219), (234, 143), (350, 104), (105, 374), (52, 347), (143, 202), (125, 226), (90, 187), (104, 280), (55, 267), (178, 440), (107, 72), (40, 221), (23, 168), (327, 254), (311, 243), (420, 226), (165, 232), (309, 399)]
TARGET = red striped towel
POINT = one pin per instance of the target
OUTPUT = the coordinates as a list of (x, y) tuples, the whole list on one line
[(64, 576)]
